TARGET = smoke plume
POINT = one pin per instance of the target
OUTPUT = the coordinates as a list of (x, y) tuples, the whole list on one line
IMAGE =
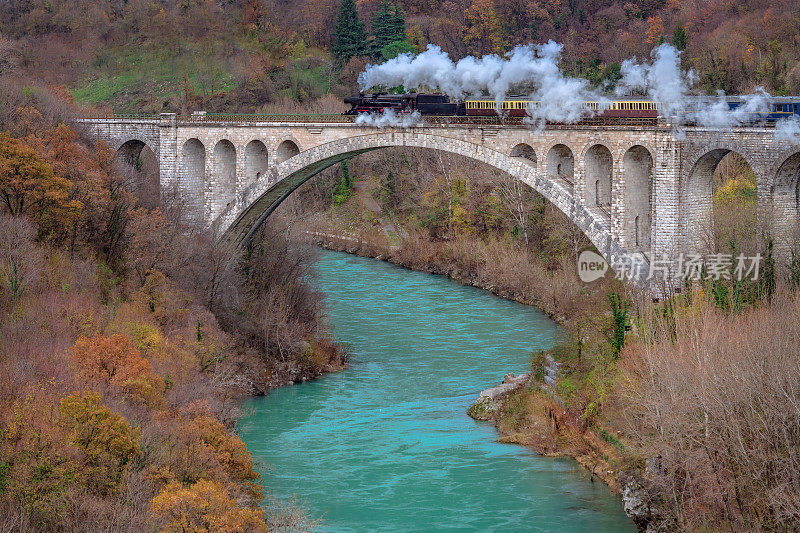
[(788, 129), (533, 70), (716, 113), (662, 80), (529, 68), (389, 119)]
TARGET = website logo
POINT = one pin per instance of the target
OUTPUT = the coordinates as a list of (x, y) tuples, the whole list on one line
[(591, 266)]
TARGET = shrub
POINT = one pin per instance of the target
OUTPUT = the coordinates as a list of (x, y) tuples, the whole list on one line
[(203, 506), (107, 440)]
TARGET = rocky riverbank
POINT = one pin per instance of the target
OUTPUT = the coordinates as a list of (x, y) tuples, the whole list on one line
[(527, 411)]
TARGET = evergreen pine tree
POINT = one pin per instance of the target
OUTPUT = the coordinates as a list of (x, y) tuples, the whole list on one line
[(679, 37), (348, 180), (388, 26), (349, 38)]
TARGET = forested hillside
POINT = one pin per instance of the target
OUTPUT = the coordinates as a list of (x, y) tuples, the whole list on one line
[(243, 55), (128, 339)]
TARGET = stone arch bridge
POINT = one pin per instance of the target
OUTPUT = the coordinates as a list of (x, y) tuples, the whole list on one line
[(632, 189)]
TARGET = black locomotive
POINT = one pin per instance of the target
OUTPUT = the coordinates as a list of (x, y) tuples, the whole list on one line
[(425, 104)]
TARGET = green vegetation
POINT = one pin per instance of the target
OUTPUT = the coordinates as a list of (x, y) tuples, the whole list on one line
[(345, 186), (349, 38), (130, 77)]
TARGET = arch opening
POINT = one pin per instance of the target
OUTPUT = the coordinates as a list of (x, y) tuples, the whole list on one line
[(139, 166), (224, 176), (257, 203), (786, 209), (286, 150), (637, 168), (720, 205), (524, 151), (561, 164), (255, 161), (192, 180), (599, 168)]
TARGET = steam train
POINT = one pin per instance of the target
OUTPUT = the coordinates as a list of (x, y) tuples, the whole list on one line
[(512, 106), (517, 106)]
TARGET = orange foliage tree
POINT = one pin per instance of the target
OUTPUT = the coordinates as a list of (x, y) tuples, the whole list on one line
[(226, 449), (116, 361), (28, 184), (203, 506), (107, 440), (655, 29)]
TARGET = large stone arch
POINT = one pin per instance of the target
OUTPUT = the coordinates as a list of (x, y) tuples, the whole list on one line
[(286, 150), (524, 151), (128, 151), (192, 179), (598, 171), (244, 216), (139, 163), (133, 136), (785, 194), (223, 176), (696, 197), (636, 209)]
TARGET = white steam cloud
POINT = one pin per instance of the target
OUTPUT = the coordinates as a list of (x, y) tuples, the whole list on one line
[(788, 129), (662, 80), (526, 68), (716, 113), (533, 70), (389, 119)]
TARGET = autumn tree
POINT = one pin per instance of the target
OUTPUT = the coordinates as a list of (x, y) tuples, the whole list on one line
[(349, 38), (28, 184), (655, 30), (515, 196), (39, 462), (20, 258), (153, 242), (107, 440), (224, 448), (203, 506), (115, 361), (484, 32)]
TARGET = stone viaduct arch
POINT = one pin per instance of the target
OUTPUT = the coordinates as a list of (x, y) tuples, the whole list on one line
[(256, 202)]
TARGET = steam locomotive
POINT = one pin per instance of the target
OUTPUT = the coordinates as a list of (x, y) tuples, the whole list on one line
[(517, 106), (426, 104)]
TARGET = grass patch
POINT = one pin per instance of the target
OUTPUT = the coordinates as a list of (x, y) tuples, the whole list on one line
[(145, 79)]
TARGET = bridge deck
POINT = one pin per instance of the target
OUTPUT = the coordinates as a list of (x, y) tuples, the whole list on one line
[(335, 118)]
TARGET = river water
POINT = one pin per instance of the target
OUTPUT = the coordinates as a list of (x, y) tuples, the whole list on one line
[(386, 445)]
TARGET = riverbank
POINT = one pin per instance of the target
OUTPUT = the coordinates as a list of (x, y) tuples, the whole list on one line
[(534, 416), (526, 411), (386, 445)]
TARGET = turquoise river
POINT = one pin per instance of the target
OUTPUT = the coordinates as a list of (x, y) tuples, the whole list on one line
[(386, 445)]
